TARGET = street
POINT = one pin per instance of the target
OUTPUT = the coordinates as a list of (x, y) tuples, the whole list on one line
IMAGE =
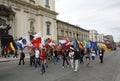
[(108, 71)]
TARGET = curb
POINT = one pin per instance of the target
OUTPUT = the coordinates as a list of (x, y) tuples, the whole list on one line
[(11, 59), (4, 61)]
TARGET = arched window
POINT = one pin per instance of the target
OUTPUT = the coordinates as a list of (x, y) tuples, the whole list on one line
[(48, 24)]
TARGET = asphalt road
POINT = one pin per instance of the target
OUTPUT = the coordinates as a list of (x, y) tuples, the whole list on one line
[(108, 71)]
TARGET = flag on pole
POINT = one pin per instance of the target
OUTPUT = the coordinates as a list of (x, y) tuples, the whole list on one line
[(76, 44)]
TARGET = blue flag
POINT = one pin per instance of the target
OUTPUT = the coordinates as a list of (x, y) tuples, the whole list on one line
[(76, 44)]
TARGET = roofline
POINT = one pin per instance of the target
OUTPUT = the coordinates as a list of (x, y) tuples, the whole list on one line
[(72, 25)]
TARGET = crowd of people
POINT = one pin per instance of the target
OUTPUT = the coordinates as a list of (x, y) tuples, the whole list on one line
[(41, 57)]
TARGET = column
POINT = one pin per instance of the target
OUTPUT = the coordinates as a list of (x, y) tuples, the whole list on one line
[(21, 22)]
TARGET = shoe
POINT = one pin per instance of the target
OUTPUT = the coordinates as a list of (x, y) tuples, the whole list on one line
[(63, 67), (75, 70)]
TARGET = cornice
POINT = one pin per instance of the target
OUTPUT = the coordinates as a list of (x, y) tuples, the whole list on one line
[(46, 10), (36, 7)]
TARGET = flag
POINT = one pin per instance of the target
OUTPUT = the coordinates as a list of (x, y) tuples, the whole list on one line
[(65, 44), (11, 47), (37, 40), (76, 44), (42, 42), (85, 42), (49, 41), (67, 41), (24, 42), (54, 45), (94, 45), (104, 47), (80, 45)]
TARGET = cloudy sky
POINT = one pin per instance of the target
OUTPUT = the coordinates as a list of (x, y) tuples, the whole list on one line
[(101, 15)]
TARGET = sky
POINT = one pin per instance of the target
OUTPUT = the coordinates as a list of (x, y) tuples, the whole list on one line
[(101, 15)]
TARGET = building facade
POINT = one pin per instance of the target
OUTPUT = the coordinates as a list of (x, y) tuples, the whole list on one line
[(27, 17), (65, 29), (100, 38), (93, 35), (109, 38)]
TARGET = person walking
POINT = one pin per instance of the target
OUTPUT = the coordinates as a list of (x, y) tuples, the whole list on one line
[(76, 58), (55, 57), (81, 55), (22, 56), (37, 60), (42, 59), (101, 54), (87, 56), (32, 56), (64, 56), (71, 55)]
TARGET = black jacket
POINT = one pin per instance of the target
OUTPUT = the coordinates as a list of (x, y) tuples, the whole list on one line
[(76, 55)]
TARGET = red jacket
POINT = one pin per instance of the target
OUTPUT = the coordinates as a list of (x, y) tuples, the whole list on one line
[(42, 54)]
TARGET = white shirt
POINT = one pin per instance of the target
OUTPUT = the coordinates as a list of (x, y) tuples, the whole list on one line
[(71, 54), (37, 52)]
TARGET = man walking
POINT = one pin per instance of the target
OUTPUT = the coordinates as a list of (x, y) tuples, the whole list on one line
[(76, 58)]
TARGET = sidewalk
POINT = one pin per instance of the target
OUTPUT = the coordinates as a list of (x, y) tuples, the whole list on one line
[(7, 59)]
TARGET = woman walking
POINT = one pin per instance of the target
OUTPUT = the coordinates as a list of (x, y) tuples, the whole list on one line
[(71, 55)]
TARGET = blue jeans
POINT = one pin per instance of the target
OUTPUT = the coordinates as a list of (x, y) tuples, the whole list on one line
[(37, 61)]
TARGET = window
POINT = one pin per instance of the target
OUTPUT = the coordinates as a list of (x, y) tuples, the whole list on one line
[(47, 4), (73, 34), (32, 1), (70, 34), (48, 24), (62, 33), (67, 33), (77, 35), (31, 26)]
